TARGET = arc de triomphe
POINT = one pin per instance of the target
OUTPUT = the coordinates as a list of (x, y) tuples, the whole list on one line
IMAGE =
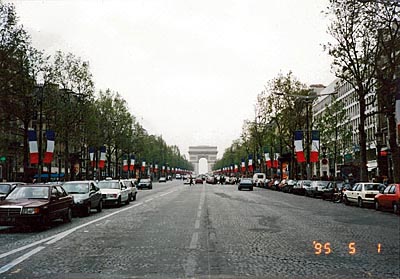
[(202, 151)]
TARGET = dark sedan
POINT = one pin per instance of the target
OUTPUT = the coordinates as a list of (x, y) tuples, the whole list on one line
[(246, 183), (35, 205), (317, 188), (87, 196), (145, 183)]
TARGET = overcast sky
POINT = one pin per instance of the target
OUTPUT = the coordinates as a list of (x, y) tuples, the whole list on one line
[(189, 70)]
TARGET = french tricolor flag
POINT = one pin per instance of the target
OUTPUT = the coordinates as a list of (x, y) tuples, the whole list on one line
[(125, 164), (91, 156), (102, 160), (268, 160), (33, 147), (48, 156), (243, 166), (276, 161), (298, 146), (314, 146), (143, 165), (132, 165), (236, 168), (250, 163)]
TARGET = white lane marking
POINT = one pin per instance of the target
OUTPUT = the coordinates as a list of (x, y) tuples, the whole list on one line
[(197, 224), (63, 234), (10, 265), (149, 200), (55, 238), (25, 247), (195, 239), (167, 193)]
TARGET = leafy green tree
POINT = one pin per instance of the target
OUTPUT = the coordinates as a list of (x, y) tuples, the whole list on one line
[(355, 52)]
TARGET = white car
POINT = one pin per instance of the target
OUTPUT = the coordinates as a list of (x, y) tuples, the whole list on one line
[(132, 190), (259, 179), (114, 192), (362, 193)]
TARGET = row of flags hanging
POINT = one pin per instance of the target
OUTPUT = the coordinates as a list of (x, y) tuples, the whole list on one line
[(298, 146), (272, 160), (34, 150)]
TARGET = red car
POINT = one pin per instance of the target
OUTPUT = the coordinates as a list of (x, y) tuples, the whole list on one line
[(389, 199)]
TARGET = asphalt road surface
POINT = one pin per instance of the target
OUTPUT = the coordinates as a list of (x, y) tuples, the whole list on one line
[(210, 231)]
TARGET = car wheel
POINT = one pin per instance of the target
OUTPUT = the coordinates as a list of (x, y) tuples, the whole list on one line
[(87, 210), (128, 201), (130, 197), (119, 203), (251, 189), (377, 207), (68, 216), (240, 189), (134, 197), (360, 202), (395, 208), (346, 201), (99, 208)]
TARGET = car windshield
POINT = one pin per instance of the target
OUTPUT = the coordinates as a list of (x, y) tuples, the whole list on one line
[(29, 192), (145, 180), (76, 188), (108, 185), (373, 187), (5, 188)]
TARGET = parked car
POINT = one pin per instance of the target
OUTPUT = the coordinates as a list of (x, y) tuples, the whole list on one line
[(288, 187), (145, 183), (162, 179), (259, 179), (132, 190), (36, 205), (178, 176), (246, 183), (389, 198), (362, 193), (86, 196), (301, 186), (114, 192), (7, 187), (317, 188)]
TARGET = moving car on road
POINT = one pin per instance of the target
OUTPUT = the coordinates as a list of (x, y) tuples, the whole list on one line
[(145, 183), (246, 183), (132, 190), (362, 193), (35, 205), (162, 179), (198, 180), (389, 199), (86, 195), (114, 192)]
